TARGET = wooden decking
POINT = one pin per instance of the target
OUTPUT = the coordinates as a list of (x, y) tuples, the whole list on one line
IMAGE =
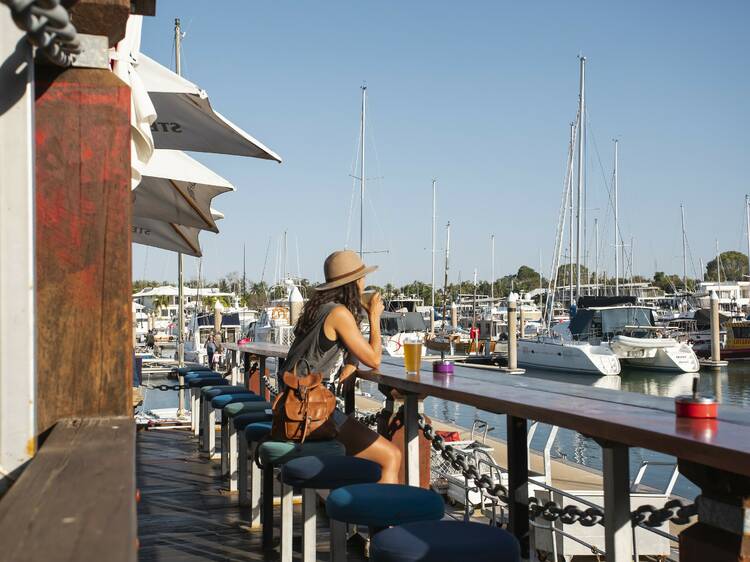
[(186, 515)]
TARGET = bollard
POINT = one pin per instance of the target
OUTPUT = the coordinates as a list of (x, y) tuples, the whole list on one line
[(512, 367), (715, 362)]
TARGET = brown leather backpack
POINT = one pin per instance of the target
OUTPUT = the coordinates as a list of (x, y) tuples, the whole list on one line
[(304, 409)]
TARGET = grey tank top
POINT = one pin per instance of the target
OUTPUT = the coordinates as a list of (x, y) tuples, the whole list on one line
[(326, 359)]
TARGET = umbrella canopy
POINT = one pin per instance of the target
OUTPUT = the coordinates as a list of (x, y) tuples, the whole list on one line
[(185, 119), (177, 189), (168, 235)]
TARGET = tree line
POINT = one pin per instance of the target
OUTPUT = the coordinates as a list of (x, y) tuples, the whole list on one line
[(732, 265)]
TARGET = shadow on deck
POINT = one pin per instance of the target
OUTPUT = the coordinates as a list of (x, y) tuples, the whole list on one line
[(185, 514)]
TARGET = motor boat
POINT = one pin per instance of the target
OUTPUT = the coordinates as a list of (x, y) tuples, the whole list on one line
[(554, 352)]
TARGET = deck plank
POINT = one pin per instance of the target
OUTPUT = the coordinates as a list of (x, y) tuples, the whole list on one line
[(185, 513)]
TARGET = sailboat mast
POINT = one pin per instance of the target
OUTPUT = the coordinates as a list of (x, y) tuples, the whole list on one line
[(581, 126), (492, 275), (718, 263), (434, 217), (362, 177), (684, 249), (445, 283), (570, 210), (596, 254), (747, 219), (617, 229)]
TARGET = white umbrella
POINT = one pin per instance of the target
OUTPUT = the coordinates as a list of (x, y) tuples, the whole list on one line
[(168, 235), (177, 189), (185, 119)]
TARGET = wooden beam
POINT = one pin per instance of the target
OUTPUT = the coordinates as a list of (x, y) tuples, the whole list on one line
[(76, 499), (83, 261)]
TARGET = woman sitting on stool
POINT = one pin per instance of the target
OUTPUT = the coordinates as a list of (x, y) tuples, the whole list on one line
[(328, 338)]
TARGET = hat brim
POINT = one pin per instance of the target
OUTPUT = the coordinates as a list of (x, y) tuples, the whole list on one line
[(348, 279)]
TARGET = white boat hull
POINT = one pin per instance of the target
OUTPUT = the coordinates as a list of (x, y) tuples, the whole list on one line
[(661, 354), (575, 357)]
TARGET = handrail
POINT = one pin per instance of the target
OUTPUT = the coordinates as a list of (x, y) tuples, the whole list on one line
[(76, 498)]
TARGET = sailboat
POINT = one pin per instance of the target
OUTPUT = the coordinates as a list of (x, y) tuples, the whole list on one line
[(550, 349)]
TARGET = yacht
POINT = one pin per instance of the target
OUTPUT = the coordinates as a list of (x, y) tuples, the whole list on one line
[(630, 331), (201, 326), (276, 321), (555, 352), (396, 327)]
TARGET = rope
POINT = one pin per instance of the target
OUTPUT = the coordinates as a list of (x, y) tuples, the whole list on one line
[(48, 28)]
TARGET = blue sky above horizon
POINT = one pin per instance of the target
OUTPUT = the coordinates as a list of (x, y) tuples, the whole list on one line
[(480, 96)]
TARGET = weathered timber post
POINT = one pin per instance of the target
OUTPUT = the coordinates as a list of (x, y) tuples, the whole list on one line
[(83, 208), (715, 362), (512, 367)]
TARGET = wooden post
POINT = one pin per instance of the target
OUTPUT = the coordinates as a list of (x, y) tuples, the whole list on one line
[(722, 533), (83, 261)]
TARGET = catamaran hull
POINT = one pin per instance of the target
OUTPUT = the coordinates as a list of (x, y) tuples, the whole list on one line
[(569, 357), (659, 354)]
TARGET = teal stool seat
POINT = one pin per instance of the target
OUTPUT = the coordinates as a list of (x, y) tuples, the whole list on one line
[(200, 382), (280, 452), (190, 369), (383, 505), (195, 374), (328, 473), (226, 399), (250, 405), (257, 431), (242, 421), (444, 541), (213, 392)]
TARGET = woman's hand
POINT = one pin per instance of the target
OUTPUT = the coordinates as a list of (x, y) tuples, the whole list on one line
[(376, 307)]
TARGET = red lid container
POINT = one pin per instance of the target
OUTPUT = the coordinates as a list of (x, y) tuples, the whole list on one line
[(699, 407)]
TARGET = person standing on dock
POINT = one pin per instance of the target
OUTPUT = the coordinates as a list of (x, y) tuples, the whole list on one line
[(210, 350)]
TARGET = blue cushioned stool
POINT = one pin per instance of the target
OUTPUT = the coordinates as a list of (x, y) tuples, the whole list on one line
[(230, 406), (444, 541), (253, 412), (249, 438), (182, 371), (318, 473), (274, 454), (382, 505), (209, 392), (196, 381)]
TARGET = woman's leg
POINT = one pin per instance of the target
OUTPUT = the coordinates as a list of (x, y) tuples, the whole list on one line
[(364, 443)]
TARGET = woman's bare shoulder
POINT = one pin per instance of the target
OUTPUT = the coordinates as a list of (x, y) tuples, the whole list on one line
[(341, 314)]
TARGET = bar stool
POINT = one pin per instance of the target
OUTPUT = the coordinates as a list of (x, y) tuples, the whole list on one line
[(236, 435), (219, 403), (378, 506), (207, 394), (274, 454), (251, 436), (311, 474), (195, 381), (444, 541), (229, 444)]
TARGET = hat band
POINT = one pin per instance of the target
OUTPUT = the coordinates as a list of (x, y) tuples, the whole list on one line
[(338, 277)]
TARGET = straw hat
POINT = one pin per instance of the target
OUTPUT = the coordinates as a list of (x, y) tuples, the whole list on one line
[(343, 267)]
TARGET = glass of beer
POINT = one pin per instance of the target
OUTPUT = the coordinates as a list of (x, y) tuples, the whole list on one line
[(412, 356)]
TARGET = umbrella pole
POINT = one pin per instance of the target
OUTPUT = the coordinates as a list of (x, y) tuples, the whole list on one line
[(180, 330)]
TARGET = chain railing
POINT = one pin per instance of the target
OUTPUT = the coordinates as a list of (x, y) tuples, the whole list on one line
[(48, 27)]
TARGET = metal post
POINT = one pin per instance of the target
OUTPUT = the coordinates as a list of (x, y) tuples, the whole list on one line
[(684, 250), (570, 210), (518, 476), (434, 218), (581, 127), (180, 279), (747, 225), (362, 178), (17, 253), (492, 279), (411, 439), (617, 526), (596, 255)]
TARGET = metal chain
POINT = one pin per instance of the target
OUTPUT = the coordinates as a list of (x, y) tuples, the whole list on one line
[(459, 461), (166, 387), (674, 510)]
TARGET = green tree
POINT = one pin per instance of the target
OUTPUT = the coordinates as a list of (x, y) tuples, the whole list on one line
[(733, 267)]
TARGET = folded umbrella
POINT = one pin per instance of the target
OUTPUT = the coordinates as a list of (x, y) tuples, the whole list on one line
[(185, 119), (168, 235), (177, 189)]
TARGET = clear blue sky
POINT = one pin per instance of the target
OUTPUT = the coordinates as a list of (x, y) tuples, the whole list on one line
[(478, 95)]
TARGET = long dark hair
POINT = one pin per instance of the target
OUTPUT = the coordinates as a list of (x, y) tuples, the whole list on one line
[(347, 295)]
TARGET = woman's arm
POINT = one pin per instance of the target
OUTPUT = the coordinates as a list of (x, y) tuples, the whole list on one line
[(341, 325)]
